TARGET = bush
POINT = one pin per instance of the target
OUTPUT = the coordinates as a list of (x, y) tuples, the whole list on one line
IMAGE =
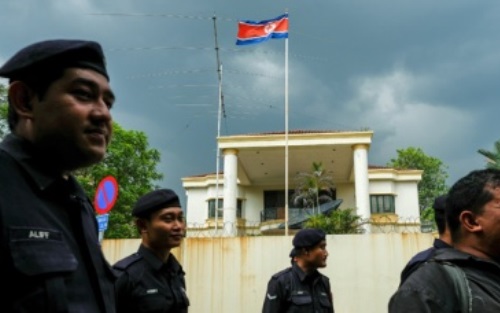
[(337, 222)]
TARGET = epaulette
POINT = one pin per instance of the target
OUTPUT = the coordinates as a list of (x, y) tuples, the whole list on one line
[(126, 262), (281, 273)]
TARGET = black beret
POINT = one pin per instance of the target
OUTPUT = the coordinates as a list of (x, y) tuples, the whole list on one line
[(39, 57), (440, 203), (308, 237), (155, 200)]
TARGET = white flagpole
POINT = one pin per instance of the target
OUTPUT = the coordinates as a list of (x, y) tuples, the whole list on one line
[(286, 136)]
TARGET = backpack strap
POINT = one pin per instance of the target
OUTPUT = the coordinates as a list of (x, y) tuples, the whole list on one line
[(461, 284)]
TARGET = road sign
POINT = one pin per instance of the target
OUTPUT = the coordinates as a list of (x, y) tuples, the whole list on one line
[(106, 195), (102, 221)]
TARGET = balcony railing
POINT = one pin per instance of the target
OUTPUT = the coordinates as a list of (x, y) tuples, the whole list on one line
[(298, 215), (278, 213)]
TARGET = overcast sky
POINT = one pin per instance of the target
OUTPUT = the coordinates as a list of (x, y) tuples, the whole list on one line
[(418, 73)]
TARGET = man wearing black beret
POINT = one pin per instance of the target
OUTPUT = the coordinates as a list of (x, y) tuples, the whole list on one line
[(59, 118), (301, 287), (444, 240), (152, 280)]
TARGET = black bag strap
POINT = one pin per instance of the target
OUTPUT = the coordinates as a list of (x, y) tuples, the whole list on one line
[(461, 284)]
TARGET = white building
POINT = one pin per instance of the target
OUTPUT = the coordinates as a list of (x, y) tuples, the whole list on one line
[(253, 183)]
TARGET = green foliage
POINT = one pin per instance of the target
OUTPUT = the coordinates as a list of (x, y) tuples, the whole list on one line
[(492, 157), (133, 165), (3, 111), (434, 174), (337, 222), (314, 188), (427, 214)]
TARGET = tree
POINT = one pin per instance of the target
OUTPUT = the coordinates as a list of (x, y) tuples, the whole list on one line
[(3, 111), (314, 188), (133, 165), (492, 157), (434, 174), (337, 222)]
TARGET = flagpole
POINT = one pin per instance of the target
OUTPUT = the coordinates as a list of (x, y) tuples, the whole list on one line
[(251, 32), (286, 136)]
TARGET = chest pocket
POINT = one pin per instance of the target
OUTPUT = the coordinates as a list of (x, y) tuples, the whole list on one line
[(154, 303), (154, 300), (40, 251), (300, 299), (324, 300), (162, 300), (42, 258)]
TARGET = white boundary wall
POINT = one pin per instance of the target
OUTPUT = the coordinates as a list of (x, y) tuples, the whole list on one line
[(230, 275)]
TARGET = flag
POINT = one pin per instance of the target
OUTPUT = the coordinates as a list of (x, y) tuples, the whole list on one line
[(252, 32)]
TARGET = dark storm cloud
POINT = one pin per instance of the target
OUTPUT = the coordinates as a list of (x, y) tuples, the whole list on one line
[(418, 73)]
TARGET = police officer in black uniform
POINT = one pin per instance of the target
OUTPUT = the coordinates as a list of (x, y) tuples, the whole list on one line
[(444, 240), (59, 117), (152, 280), (301, 288)]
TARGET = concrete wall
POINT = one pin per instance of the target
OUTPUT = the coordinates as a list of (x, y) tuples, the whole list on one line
[(230, 275)]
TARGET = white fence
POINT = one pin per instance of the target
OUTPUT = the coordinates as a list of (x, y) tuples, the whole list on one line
[(230, 275)]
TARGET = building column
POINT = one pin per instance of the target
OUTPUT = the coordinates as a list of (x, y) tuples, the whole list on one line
[(230, 191), (360, 154)]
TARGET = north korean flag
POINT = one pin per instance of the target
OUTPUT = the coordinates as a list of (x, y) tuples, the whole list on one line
[(251, 32)]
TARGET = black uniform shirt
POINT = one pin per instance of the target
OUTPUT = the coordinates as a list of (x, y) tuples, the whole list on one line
[(149, 285), (50, 257), (422, 257), (431, 289), (293, 291)]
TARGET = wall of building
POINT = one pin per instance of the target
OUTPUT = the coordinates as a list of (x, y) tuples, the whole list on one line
[(253, 203), (228, 275), (197, 205), (346, 193), (407, 205), (380, 187)]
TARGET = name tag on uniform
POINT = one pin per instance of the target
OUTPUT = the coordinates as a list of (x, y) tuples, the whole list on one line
[(39, 234), (33, 233), (151, 291)]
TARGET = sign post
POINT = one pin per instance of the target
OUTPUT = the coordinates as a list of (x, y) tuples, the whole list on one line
[(102, 222), (104, 200)]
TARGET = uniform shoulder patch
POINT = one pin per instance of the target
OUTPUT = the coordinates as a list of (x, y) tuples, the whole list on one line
[(123, 264)]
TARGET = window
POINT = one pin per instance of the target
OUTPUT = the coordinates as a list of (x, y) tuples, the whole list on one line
[(276, 198), (382, 204), (220, 214)]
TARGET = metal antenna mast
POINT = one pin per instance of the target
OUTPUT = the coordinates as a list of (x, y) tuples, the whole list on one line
[(219, 117)]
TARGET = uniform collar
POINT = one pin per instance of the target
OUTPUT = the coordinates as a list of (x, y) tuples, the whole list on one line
[(172, 264), (25, 154), (440, 244), (302, 275)]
